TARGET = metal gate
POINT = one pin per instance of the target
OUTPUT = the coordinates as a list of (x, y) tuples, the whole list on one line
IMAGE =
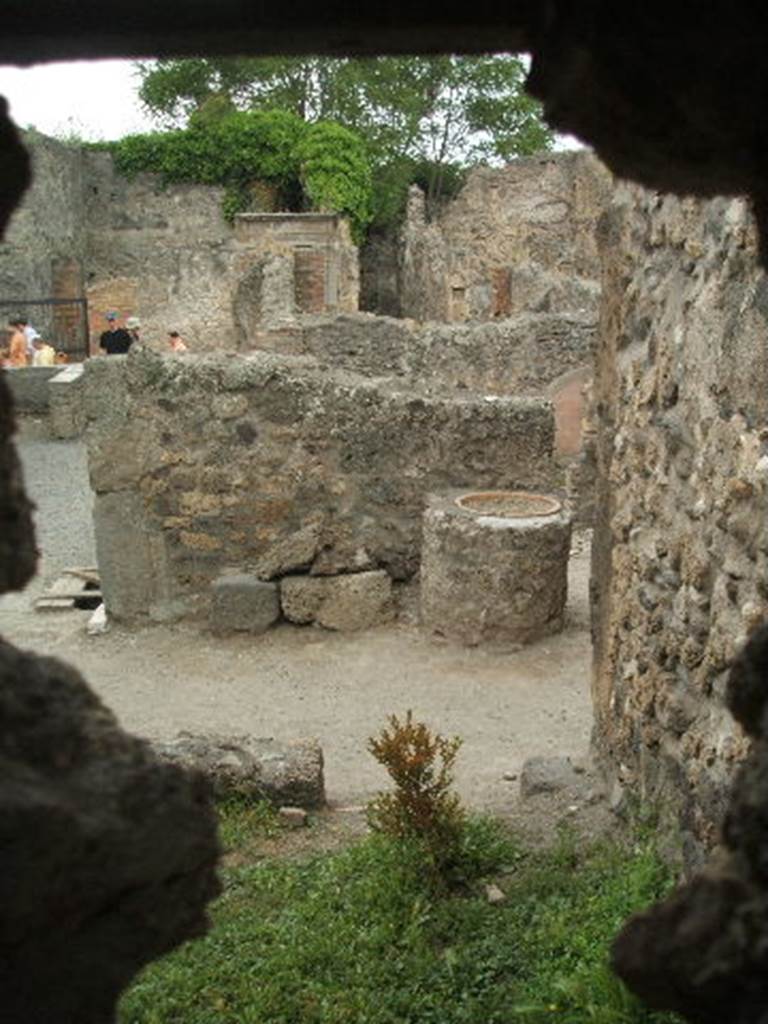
[(63, 323)]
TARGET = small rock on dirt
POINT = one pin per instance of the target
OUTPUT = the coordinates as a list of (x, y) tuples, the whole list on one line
[(547, 775), (293, 817)]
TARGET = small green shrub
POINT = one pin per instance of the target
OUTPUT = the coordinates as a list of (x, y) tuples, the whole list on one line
[(422, 806)]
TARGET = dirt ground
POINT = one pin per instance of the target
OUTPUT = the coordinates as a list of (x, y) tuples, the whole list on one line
[(293, 682)]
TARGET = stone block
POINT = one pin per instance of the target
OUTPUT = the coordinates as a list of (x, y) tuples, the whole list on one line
[(286, 774), (548, 775), (124, 554), (353, 601), (292, 553), (301, 597), (29, 387), (66, 403), (356, 601), (242, 603)]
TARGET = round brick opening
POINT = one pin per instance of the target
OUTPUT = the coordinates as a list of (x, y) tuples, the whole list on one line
[(509, 504)]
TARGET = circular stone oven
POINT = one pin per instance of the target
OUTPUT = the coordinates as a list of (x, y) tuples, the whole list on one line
[(494, 566)]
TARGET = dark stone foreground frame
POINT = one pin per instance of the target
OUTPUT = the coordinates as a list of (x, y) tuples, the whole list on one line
[(671, 95)]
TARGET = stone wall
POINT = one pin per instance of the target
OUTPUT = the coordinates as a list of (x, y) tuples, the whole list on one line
[(164, 254), (44, 246), (29, 386), (680, 574), (222, 462), (523, 354), (516, 239)]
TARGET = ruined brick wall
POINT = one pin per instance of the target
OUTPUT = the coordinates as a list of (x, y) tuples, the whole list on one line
[(206, 463), (680, 574), (46, 235), (518, 238), (163, 254)]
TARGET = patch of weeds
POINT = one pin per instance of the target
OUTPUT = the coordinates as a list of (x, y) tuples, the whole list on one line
[(361, 937), (243, 821), (567, 905)]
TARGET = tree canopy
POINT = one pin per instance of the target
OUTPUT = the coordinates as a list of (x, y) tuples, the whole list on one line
[(322, 166), (422, 118), (444, 109)]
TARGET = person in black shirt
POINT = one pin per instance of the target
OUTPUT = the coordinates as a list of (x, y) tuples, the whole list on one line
[(115, 340)]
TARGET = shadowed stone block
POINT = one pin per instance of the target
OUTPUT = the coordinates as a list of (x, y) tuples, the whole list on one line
[(286, 774), (242, 603), (107, 855)]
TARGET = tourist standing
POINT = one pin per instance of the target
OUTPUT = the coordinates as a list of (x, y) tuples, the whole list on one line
[(45, 354), (17, 346), (134, 326), (115, 340), (176, 342)]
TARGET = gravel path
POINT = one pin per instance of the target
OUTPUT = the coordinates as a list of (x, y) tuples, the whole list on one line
[(305, 681)]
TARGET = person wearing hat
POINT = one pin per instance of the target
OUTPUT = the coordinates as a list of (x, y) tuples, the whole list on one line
[(115, 340), (133, 324)]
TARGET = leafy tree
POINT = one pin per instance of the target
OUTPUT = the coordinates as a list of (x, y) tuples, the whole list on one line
[(421, 117), (320, 166)]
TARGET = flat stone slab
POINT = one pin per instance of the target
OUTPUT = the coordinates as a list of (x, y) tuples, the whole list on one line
[(351, 601), (242, 603), (286, 774)]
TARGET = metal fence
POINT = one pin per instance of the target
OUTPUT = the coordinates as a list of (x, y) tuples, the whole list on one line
[(63, 323)]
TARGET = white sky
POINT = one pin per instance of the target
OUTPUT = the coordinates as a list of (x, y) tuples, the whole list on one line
[(95, 100)]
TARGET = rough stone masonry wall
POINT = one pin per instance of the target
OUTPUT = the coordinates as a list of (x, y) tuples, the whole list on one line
[(523, 354), (46, 232), (164, 254), (516, 239), (222, 462), (680, 574)]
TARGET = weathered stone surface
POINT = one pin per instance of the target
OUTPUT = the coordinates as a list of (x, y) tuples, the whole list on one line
[(354, 601), (130, 558), (680, 552), (493, 579), (208, 491), (516, 239), (242, 603), (704, 951), (358, 600), (301, 597), (29, 387), (66, 403), (107, 855), (519, 354), (286, 774), (290, 554), (547, 775)]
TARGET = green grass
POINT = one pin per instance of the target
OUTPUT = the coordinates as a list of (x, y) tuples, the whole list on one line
[(359, 936)]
